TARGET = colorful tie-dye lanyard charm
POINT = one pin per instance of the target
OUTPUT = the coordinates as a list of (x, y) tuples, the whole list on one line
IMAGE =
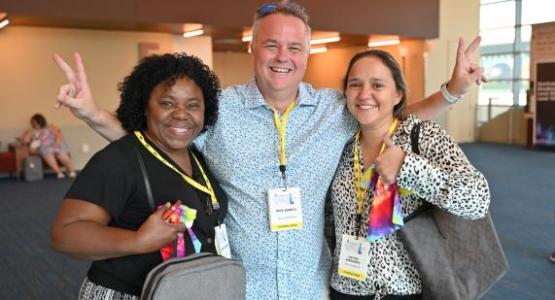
[(181, 214), (385, 214)]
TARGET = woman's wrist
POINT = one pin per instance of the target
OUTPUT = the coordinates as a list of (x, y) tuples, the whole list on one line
[(449, 95)]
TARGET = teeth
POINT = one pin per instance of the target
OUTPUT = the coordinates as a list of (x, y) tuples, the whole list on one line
[(180, 130), (280, 70), (368, 106)]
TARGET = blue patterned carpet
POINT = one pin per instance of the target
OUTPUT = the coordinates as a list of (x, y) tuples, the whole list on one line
[(28, 268), (522, 183)]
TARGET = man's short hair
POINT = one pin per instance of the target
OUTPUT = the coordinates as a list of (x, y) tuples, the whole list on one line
[(287, 8)]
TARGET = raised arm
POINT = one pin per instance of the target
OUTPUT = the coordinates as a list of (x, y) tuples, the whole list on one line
[(465, 74), (76, 95)]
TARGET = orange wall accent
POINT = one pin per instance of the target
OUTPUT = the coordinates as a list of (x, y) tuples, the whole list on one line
[(328, 69)]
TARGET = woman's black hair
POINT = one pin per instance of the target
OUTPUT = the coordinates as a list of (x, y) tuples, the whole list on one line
[(136, 88), (396, 72), (39, 119)]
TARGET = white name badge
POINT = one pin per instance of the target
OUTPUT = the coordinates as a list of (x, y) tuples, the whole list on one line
[(221, 241), (353, 258), (285, 209)]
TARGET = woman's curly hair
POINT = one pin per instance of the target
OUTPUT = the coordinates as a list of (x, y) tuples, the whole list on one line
[(136, 88)]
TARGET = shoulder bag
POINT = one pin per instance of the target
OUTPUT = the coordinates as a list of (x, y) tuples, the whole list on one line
[(456, 258)]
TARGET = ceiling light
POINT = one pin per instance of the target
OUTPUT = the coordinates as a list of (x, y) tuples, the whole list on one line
[(383, 43), (246, 35), (4, 20), (331, 39), (318, 50), (193, 33)]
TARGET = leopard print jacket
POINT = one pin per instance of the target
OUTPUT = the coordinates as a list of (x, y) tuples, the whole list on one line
[(441, 175)]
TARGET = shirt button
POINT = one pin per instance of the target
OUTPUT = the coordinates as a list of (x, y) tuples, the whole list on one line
[(209, 240)]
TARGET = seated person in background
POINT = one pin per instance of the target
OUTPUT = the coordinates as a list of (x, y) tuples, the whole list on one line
[(47, 140), (166, 102)]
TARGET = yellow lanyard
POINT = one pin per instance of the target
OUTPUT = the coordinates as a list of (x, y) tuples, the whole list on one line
[(362, 192), (281, 126), (206, 189)]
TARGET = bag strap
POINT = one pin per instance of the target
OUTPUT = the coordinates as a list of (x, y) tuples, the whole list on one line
[(414, 136), (148, 190), (145, 178)]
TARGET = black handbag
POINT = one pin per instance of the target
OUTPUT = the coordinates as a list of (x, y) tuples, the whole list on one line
[(456, 258)]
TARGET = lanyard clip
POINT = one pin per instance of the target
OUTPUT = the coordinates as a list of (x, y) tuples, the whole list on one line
[(209, 207), (283, 176)]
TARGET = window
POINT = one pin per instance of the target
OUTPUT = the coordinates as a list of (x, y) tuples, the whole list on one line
[(505, 48), (537, 11), (498, 92), (498, 66), (498, 36), (504, 12)]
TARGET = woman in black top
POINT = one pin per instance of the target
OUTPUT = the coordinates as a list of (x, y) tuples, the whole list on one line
[(166, 102)]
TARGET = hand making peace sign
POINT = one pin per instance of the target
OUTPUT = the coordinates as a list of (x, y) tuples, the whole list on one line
[(465, 72), (75, 94)]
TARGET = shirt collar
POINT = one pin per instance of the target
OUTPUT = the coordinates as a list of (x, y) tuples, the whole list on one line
[(307, 95), (254, 98)]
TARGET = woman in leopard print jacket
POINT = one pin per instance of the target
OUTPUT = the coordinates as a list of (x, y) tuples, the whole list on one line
[(441, 174)]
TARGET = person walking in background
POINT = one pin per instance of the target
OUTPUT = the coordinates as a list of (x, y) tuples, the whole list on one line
[(46, 140)]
